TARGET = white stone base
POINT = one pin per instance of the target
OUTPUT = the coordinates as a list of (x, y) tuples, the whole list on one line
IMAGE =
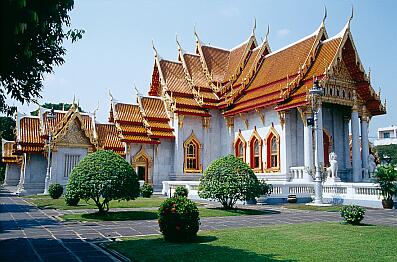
[(318, 205), (333, 179)]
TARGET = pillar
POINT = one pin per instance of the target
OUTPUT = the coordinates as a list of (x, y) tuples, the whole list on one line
[(346, 142), (320, 134), (308, 146), (356, 161), (364, 143)]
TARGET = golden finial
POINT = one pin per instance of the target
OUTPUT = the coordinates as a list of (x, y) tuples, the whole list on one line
[(177, 41), (111, 96), (254, 27), (154, 48), (325, 14), (267, 33)]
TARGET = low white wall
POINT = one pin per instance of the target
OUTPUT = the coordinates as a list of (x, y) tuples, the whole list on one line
[(363, 194)]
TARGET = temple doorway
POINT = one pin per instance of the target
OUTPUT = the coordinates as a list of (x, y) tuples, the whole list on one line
[(327, 140), (141, 172)]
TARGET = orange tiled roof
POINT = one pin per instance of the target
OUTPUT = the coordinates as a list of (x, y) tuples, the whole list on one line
[(154, 107), (30, 131), (217, 61), (160, 133), (272, 76), (160, 125), (195, 69), (137, 139), (127, 113), (175, 77), (132, 128), (108, 137), (7, 154)]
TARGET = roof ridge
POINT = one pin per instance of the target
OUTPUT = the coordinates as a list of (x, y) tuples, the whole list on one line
[(292, 44)]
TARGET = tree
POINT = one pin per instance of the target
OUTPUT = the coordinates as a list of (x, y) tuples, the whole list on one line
[(387, 150), (32, 34), (59, 106), (227, 180), (7, 126), (103, 176)]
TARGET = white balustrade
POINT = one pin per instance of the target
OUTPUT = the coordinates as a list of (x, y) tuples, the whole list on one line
[(297, 172), (365, 194)]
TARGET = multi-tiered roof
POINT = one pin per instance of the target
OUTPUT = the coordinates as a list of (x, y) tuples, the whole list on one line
[(251, 76)]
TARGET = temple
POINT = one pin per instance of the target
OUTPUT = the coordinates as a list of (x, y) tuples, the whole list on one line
[(249, 101)]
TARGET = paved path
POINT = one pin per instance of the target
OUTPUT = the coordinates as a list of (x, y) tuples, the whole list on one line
[(31, 234)]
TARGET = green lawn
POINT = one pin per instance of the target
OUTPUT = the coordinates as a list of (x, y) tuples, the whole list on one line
[(313, 208), (300, 242), (47, 202), (152, 214)]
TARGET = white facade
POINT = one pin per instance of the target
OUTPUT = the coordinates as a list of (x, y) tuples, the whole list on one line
[(386, 136)]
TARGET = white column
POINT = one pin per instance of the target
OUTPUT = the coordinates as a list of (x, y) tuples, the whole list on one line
[(320, 136), (346, 141), (356, 161), (364, 143), (308, 147)]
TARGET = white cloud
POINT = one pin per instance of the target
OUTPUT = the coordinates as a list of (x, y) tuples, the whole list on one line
[(229, 11), (283, 32)]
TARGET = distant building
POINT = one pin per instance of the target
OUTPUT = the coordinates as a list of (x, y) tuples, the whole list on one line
[(386, 136)]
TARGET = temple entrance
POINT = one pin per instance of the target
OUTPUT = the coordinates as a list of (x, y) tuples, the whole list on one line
[(142, 164), (142, 174), (327, 147)]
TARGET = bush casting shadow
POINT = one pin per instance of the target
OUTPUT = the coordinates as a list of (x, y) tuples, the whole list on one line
[(198, 250), (117, 216), (242, 211)]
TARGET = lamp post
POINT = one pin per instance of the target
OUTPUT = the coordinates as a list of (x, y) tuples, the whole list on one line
[(50, 116), (316, 93)]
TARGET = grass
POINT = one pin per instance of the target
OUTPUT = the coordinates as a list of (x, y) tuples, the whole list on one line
[(313, 208), (152, 214), (49, 203), (299, 242)]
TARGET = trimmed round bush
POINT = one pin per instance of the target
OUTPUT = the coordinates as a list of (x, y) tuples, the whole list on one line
[(352, 214), (227, 180), (179, 219), (71, 200), (103, 176), (146, 190), (55, 191), (181, 191)]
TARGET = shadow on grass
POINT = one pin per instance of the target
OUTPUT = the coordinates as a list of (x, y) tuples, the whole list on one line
[(243, 211), (114, 216), (204, 248), (358, 225)]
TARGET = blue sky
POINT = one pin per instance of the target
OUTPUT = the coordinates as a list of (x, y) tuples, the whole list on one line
[(116, 50)]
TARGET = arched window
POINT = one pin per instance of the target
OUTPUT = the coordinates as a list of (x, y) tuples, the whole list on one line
[(256, 152), (192, 155), (239, 146), (273, 150)]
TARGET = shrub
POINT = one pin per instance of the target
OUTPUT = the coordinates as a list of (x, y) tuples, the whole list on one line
[(227, 180), (146, 190), (386, 177), (71, 200), (266, 189), (103, 176), (352, 214), (181, 191), (55, 191), (179, 219)]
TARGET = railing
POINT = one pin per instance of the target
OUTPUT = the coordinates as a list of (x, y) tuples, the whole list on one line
[(297, 172), (169, 187), (365, 194)]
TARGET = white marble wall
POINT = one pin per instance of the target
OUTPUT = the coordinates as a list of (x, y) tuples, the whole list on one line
[(58, 163), (33, 174), (12, 174)]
